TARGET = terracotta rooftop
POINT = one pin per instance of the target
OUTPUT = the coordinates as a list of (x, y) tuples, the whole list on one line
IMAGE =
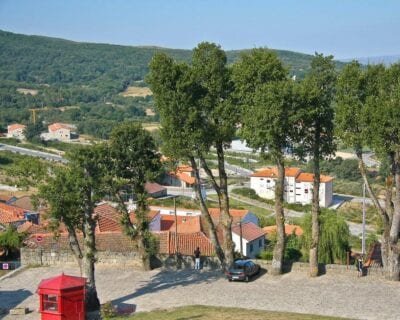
[(187, 243), (185, 224), (5, 198), (289, 228), (57, 126), (15, 126), (152, 187), (31, 228), (25, 203), (183, 177), (309, 177), (9, 214), (108, 218), (273, 172), (250, 231)]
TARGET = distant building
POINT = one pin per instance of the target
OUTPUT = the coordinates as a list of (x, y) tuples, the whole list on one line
[(59, 131), (252, 236), (298, 186), (16, 131)]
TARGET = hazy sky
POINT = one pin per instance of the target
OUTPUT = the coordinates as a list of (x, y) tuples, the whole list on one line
[(344, 28)]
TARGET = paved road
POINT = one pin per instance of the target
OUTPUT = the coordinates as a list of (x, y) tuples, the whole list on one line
[(342, 295), (33, 153)]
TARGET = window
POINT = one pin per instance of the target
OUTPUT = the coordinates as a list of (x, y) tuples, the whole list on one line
[(291, 190), (50, 302), (251, 247), (262, 179), (305, 190), (268, 181)]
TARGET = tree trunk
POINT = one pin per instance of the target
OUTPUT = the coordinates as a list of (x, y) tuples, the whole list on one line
[(204, 212), (226, 218), (279, 249), (315, 210), (74, 245), (394, 249), (89, 257), (385, 213)]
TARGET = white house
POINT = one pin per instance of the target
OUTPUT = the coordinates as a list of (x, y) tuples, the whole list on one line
[(16, 131), (59, 131), (298, 186), (253, 239)]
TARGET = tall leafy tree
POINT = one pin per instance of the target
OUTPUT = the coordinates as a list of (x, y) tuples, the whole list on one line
[(71, 194), (134, 160), (316, 116), (268, 101), (181, 101), (383, 116)]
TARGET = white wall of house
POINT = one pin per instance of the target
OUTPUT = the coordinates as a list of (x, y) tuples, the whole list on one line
[(17, 134), (295, 192), (250, 248), (62, 134)]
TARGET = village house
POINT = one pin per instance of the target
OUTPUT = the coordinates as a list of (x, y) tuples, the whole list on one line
[(59, 131), (298, 186), (16, 131), (12, 216), (251, 236)]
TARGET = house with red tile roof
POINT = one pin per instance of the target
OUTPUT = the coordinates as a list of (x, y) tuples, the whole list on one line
[(155, 190), (59, 131), (289, 229), (298, 185), (181, 224), (16, 131), (237, 215), (182, 176), (251, 236), (109, 219)]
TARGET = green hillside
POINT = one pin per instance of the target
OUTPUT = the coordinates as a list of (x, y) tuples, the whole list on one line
[(87, 76)]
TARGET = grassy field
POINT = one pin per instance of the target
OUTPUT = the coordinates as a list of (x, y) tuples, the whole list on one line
[(137, 92), (220, 313)]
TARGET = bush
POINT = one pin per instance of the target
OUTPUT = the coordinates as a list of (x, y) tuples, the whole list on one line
[(107, 310)]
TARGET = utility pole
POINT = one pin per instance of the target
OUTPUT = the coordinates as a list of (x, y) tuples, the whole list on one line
[(363, 224), (241, 237), (176, 236)]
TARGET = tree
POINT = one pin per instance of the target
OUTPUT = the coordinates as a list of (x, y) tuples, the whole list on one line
[(185, 99), (316, 116), (32, 131), (71, 193), (10, 240), (382, 116), (134, 160), (268, 102), (334, 237)]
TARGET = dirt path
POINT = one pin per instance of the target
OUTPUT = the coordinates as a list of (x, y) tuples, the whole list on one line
[(335, 295)]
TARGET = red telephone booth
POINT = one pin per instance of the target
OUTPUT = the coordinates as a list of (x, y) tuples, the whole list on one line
[(62, 297)]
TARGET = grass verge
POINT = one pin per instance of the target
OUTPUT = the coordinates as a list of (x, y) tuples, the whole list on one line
[(222, 313)]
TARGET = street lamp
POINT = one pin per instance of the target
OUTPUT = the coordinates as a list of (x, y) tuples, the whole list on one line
[(363, 224)]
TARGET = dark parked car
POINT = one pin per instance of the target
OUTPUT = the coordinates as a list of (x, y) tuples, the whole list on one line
[(242, 270)]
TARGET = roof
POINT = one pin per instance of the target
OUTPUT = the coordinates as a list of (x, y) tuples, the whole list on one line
[(309, 177), (15, 126), (187, 243), (185, 224), (183, 177), (250, 231), (273, 172), (62, 282), (184, 168), (57, 126), (108, 218), (31, 228), (152, 187), (9, 214), (24, 202), (289, 229), (234, 213), (5, 198)]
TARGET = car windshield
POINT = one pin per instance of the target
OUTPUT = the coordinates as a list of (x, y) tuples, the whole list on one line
[(238, 266)]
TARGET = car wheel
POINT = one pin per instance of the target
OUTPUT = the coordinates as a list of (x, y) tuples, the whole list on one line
[(246, 279)]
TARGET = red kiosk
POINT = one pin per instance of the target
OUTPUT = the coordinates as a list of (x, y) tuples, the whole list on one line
[(62, 297)]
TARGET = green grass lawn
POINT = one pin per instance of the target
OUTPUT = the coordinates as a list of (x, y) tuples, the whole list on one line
[(220, 313)]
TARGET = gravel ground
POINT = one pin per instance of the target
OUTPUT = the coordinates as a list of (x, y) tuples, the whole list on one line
[(334, 295)]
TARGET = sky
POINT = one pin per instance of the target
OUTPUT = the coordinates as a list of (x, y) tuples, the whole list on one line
[(344, 28)]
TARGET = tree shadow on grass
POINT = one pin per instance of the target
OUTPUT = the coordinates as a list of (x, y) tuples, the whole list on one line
[(171, 279)]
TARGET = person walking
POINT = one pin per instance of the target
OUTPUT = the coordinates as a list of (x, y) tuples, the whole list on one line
[(197, 259), (360, 267)]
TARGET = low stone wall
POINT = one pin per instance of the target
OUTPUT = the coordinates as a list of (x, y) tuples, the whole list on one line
[(327, 268), (128, 259)]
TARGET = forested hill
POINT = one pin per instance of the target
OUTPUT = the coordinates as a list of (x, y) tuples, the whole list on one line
[(37, 59)]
